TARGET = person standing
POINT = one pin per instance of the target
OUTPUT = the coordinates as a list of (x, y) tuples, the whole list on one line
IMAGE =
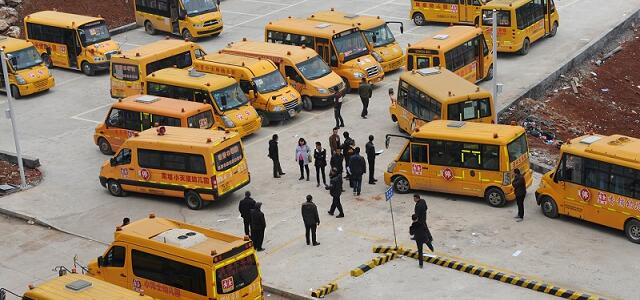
[(347, 152), (334, 141), (320, 162), (357, 167), (520, 188), (125, 222), (365, 90), (337, 107), (275, 157), (258, 225), (422, 235), (420, 209), (335, 190), (245, 207), (303, 156), (370, 149), (311, 219)]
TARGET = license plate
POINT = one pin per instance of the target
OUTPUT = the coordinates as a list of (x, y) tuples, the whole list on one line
[(292, 113)]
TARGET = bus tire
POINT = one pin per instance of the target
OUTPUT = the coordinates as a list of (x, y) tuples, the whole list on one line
[(115, 188), (187, 35), (47, 60), (401, 185), (347, 86), (632, 230), (104, 146), (490, 73), (15, 92), (263, 117), (394, 119), (554, 29), (148, 28), (495, 197), (87, 69), (307, 104), (526, 45), (419, 20), (193, 200), (549, 207)]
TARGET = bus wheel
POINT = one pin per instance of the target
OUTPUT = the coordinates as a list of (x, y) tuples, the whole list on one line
[(148, 28), (15, 92), (401, 185), (419, 20), (87, 69), (115, 188), (263, 117), (193, 200), (526, 44), (549, 207), (47, 60), (306, 103), (104, 146), (490, 73), (495, 197), (554, 29), (632, 230), (187, 35)]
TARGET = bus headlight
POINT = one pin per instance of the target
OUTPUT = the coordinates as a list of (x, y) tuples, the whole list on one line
[(198, 25), (228, 122), (391, 167), (20, 80), (377, 56), (99, 58), (278, 108), (358, 75), (506, 178), (322, 91)]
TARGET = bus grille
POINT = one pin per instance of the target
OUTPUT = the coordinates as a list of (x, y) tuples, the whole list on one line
[(336, 88), (210, 22), (372, 71), (291, 104), (250, 127), (41, 84)]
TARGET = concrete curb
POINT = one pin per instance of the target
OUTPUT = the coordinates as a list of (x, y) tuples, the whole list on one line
[(123, 28), (280, 292)]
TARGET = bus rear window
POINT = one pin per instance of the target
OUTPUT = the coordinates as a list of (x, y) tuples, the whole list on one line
[(517, 148), (124, 72), (228, 157), (201, 120), (237, 275)]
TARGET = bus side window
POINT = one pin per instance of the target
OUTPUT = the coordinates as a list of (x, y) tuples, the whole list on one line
[(201, 97), (437, 153), (405, 157), (115, 257), (245, 86), (199, 53), (453, 112), (123, 157), (491, 157), (115, 118), (485, 47), (572, 169), (293, 74), (419, 153), (130, 120)]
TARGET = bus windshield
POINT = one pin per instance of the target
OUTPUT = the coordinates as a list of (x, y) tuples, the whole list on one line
[(236, 275), (94, 33), (314, 68), (352, 45), (504, 18), (25, 58), (383, 34), (270, 82), (230, 97), (199, 7), (517, 148)]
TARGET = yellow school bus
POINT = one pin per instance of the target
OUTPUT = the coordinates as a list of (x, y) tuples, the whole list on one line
[(130, 68), (169, 259), (343, 47), (190, 19), (270, 94), (195, 164), (141, 112), (464, 158), (446, 11), (302, 66), (437, 93), (520, 23), (461, 49), (597, 179), (71, 286), (386, 50), (71, 41), (231, 106), (27, 72)]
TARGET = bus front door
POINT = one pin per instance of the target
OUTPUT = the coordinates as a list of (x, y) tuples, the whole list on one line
[(550, 11), (420, 166)]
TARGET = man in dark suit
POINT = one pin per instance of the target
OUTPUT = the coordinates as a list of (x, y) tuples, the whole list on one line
[(258, 225), (365, 90), (421, 208), (245, 207), (311, 219), (358, 167), (275, 157), (422, 235), (335, 190), (370, 149), (520, 188)]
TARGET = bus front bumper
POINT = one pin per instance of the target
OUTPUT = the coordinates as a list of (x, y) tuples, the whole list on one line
[(284, 115), (100, 66), (209, 31), (248, 128), (36, 87), (387, 178)]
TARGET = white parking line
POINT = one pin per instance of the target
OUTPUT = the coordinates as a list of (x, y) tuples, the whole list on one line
[(77, 117), (263, 2), (267, 14), (241, 13), (78, 77), (86, 120), (387, 17), (567, 4), (375, 6)]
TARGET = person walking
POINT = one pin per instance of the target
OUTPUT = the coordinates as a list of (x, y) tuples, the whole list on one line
[(357, 167), (245, 207), (258, 225), (303, 156), (320, 162), (334, 141), (365, 90), (275, 158), (335, 190), (347, 152), (422, 235), (420, 209), (520, 188), (370, 150), (311, 220), (337, 107)]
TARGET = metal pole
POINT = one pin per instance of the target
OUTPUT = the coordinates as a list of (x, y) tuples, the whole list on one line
[(395, 239), (494, 82), (12, 116)]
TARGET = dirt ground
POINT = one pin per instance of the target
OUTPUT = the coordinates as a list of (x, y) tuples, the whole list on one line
[(9, 174), (606, 101)]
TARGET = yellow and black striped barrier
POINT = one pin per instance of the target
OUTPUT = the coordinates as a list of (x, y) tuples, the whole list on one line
[(385, 249), (325, 290), (384, 259), (513, 279), (372, 264)]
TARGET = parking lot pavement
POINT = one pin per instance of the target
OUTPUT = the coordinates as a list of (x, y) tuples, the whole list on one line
[(57, 127)]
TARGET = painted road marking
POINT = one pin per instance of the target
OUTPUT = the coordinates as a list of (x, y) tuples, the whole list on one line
[(77, 117), (267, 14)]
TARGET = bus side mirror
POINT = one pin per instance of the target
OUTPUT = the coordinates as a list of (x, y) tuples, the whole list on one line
[(555, 178), (112, 161), (100, 261), (182, 14), (401, 28), (341, 57), (387, 141), (218, 2), (14, 61)]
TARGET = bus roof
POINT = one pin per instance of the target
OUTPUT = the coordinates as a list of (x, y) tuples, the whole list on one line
[(308, 27), (448, 38), (274, 52), (482, 133), (10, 44), (77, 286), (338, 17), (504, 4), (151, 49), (192, 78), (200, 244), (256, 66), (624, 149), (162, 106), (443, 85), (184, 137), (60, 19)]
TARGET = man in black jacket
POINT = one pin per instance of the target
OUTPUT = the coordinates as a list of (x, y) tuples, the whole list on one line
[(422, 235), (370, 149), (420, 209), (258, 225), (245, 207), (273, 154), (337, 108), (520, 188), (335, 190), (311, 219), (347, 151), (357, 167), (365, 90)]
